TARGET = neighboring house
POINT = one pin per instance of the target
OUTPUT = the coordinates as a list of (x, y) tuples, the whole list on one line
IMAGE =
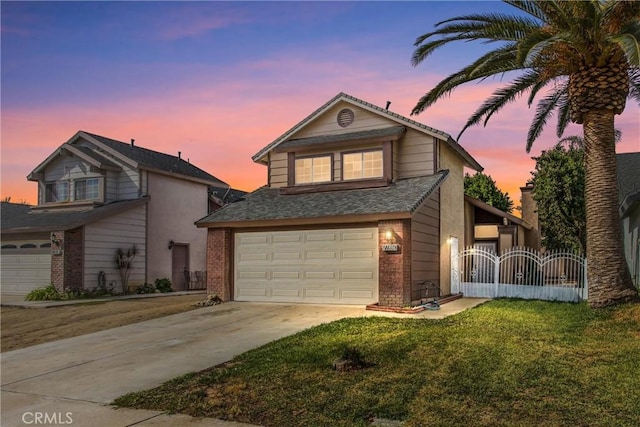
[(492, 229), (96, 195), (360, 207), (628, 167)]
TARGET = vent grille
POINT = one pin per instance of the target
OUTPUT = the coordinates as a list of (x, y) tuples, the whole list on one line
[(345, 117)]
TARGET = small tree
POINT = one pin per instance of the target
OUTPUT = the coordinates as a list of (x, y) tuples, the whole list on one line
[(124, 263), (483, 187), (558, 190)]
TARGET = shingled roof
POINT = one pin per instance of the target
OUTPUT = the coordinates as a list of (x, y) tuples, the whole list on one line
[(399, 199), (17, 218), (147, 158)]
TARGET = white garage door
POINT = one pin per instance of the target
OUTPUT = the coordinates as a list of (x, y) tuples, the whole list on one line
[(24, 266), (320, 266)]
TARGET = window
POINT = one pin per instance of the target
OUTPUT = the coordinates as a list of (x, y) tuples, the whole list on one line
[(87, 189), (311, 170), (367, 164), (57, 192)]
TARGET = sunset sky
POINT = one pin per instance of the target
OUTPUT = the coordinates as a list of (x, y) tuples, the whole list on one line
[(220, 80)]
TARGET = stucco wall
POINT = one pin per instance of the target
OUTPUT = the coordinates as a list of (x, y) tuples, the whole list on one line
[(451, 210), (174, 206)]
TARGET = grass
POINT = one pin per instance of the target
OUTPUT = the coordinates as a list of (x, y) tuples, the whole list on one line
[(505, 363)]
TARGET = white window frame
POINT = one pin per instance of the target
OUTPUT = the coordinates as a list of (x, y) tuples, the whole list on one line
[(86, 181)]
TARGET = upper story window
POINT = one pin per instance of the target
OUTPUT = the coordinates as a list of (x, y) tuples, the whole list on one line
[(87, 189), (312, 170), (362, 165), (57, 192)]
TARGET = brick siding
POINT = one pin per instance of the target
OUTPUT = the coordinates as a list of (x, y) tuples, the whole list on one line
[(67, 267), (219, 262), (394, 268)]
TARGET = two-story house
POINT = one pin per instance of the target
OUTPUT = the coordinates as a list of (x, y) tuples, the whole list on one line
[(361, 206), (96, 195)]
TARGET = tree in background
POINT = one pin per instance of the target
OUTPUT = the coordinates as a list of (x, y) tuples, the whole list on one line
[(583, 59), (483, 187), (558, 190)]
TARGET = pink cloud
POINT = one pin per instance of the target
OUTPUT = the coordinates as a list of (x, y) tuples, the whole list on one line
[(219, 118)]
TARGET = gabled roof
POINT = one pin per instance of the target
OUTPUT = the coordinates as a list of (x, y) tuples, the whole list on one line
[(628, 169), (443, 136), (130, 154), (155, 160), (497, 212), (22, 219), (266, 205)]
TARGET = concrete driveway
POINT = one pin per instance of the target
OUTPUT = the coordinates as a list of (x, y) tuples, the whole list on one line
[(72, 381)]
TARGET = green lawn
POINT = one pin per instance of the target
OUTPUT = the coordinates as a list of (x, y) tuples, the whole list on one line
[(505, 363)]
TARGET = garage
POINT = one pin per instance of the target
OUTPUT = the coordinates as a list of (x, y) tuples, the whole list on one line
[(25, 266), (315, 266)]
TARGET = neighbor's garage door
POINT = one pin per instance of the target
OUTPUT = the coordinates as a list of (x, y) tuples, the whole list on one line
[(25, 266), (321, 266)]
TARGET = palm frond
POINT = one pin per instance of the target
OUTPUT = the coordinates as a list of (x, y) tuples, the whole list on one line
[(634, 84), (502, 97), (629, 43), (564, 114), (470, 28), (529, 7), (494, 62), (544, 111)]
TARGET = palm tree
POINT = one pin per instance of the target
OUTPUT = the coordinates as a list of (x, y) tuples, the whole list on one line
[(583, 58)]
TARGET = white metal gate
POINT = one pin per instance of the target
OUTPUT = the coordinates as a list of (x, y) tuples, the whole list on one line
[(520, 273)]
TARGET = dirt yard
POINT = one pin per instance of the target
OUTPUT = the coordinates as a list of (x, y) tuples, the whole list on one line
[(23, 327)]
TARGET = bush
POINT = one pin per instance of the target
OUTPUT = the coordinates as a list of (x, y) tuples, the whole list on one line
[(164, 285), (146, 288), (48, 293)]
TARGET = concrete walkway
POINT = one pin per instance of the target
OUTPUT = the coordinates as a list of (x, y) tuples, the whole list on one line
[(75, 379)]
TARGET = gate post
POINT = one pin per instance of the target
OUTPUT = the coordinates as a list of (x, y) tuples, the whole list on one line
[(455, 268)]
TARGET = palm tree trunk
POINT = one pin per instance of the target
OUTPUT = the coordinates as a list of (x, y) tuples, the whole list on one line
[(607, 271)]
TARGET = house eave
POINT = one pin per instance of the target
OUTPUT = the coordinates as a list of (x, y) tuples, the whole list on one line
[(495, 211), (342, 219), (183, 177)]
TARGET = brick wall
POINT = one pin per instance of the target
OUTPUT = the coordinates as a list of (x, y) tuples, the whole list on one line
[(67, 266), (219, 259), (394, 268), (73, 258), (57, 260)]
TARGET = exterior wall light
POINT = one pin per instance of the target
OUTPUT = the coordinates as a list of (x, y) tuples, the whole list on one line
[(171, 243), (390, 236), (390, 244)]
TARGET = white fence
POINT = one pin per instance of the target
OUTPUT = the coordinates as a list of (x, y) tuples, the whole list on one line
[(519, 273)]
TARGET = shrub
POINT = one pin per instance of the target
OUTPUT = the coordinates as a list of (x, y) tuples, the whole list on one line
[(146, 288), (164, 285), (48, 293)]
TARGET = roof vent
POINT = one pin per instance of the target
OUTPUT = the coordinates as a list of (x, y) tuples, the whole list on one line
[(132, 142), (345, 117)]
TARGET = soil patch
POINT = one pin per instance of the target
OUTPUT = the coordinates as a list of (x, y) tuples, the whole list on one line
[(24, 327)]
